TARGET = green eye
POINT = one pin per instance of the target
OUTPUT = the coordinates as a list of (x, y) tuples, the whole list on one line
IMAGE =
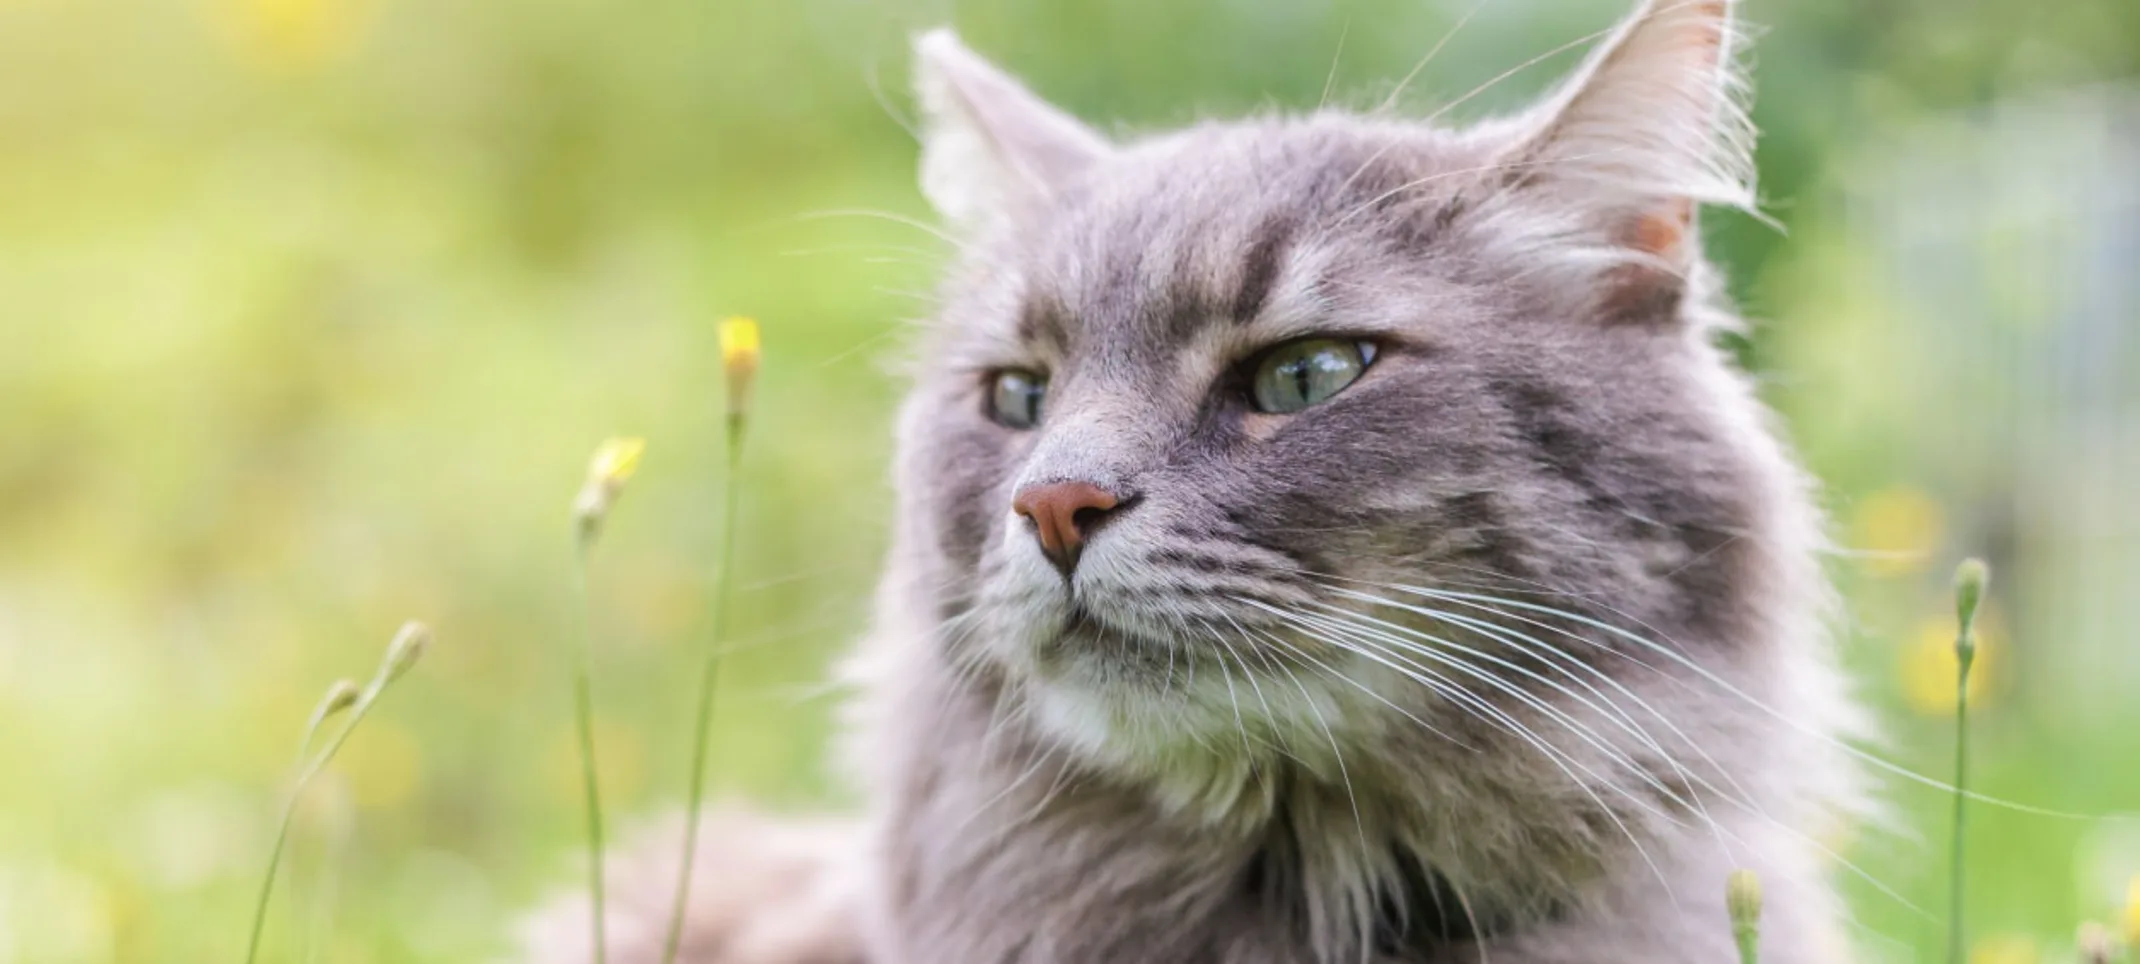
[(1014, 398), (1307, 372)]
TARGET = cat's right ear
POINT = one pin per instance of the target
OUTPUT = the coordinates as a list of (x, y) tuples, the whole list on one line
[(990, 148)]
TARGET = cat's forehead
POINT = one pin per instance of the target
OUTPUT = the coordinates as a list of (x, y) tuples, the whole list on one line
[(1252, 228)]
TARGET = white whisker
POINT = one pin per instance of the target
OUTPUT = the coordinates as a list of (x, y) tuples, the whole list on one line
[(1560, 758), (1734, 690)]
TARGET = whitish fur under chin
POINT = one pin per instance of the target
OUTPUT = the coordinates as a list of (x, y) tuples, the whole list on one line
[(1199, 744)]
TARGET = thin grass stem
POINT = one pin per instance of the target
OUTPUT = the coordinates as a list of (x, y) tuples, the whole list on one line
[(709, 685), (1969, 582), (401, 654), (583, 722)]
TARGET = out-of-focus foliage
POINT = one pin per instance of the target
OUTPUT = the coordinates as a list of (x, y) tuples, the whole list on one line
[(311, 309)]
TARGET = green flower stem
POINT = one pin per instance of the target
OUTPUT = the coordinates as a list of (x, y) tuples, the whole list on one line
[(709, 683), (583, 721), (357, 711), (1969, 580)]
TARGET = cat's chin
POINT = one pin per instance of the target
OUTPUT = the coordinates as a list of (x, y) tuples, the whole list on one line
[(1140, 701)]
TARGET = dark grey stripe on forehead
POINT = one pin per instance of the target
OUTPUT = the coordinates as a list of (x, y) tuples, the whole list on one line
[(1267, 248), (1043, 318)]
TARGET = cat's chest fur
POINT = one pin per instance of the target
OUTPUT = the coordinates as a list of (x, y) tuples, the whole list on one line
[(998, 851)]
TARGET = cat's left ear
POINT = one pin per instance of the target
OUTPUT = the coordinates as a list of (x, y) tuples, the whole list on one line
[(990, 148), (1649, 128)]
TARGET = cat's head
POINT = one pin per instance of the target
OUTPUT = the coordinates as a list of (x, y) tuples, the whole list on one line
[(1228, 435)]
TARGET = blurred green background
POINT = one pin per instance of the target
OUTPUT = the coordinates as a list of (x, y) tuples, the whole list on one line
[(312, 310)]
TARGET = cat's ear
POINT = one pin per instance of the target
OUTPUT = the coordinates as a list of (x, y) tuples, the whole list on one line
[(989, 146), (1649, 128)]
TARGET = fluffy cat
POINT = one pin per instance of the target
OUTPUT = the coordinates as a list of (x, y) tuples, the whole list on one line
[(1323, 539)]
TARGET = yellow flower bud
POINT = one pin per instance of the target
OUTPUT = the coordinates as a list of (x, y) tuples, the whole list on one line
[(340, 696), (615, 461), (1742, 897), (613, 464), (739, 361), (408, 646), (2132, 913), (1969, 580)]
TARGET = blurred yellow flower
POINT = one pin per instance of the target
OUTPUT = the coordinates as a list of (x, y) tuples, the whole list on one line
[(622, 750), (292, 33), (2132, 914), (1928, 665), (615, 461), (2005, 949), (1897, 529), (739, 343), (739, 360)]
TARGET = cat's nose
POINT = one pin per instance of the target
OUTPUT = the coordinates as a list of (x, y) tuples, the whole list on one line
[(1063, 513)]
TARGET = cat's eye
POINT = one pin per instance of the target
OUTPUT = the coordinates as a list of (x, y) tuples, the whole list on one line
[(1014, 398), (1307, 372)]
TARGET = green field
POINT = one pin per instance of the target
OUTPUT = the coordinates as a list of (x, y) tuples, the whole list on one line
[(312, 310)]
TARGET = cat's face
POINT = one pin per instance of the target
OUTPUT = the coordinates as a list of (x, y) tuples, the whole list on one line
[(1206, 421)]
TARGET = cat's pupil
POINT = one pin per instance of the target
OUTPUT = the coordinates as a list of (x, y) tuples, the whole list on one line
[(1307, 372)]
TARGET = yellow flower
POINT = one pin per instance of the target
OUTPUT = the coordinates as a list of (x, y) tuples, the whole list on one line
[(2005, 949), (615, 461), (1929, 666), (739, 343), (622, 750), (739, 361), (612, 466), (1898, 529), (293, 33), (2132, 913)]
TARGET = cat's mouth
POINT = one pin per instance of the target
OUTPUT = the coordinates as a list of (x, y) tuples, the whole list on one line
[(1086, 633)]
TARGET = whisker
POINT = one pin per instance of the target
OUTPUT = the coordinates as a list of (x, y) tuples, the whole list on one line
[(1233, 700), (1040, 806), (1458, 694), (1330, 80), (1517, 165), (1512, 636), (1464, 900), (1552, 753), (1741, 800), (1583, 731), (895, 218), (1304, 655), (1602, 703), (1519, 68), (1461, 22), (1728, 687), (1338, 755), (1039, 759)]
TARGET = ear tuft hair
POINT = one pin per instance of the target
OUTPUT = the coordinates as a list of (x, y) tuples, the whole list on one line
[(990, 148), (1652, 125)]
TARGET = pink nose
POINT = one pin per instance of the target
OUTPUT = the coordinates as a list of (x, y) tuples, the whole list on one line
[(1062, 512)]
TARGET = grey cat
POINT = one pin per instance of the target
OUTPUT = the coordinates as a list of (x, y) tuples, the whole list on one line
[(1322, 539)]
